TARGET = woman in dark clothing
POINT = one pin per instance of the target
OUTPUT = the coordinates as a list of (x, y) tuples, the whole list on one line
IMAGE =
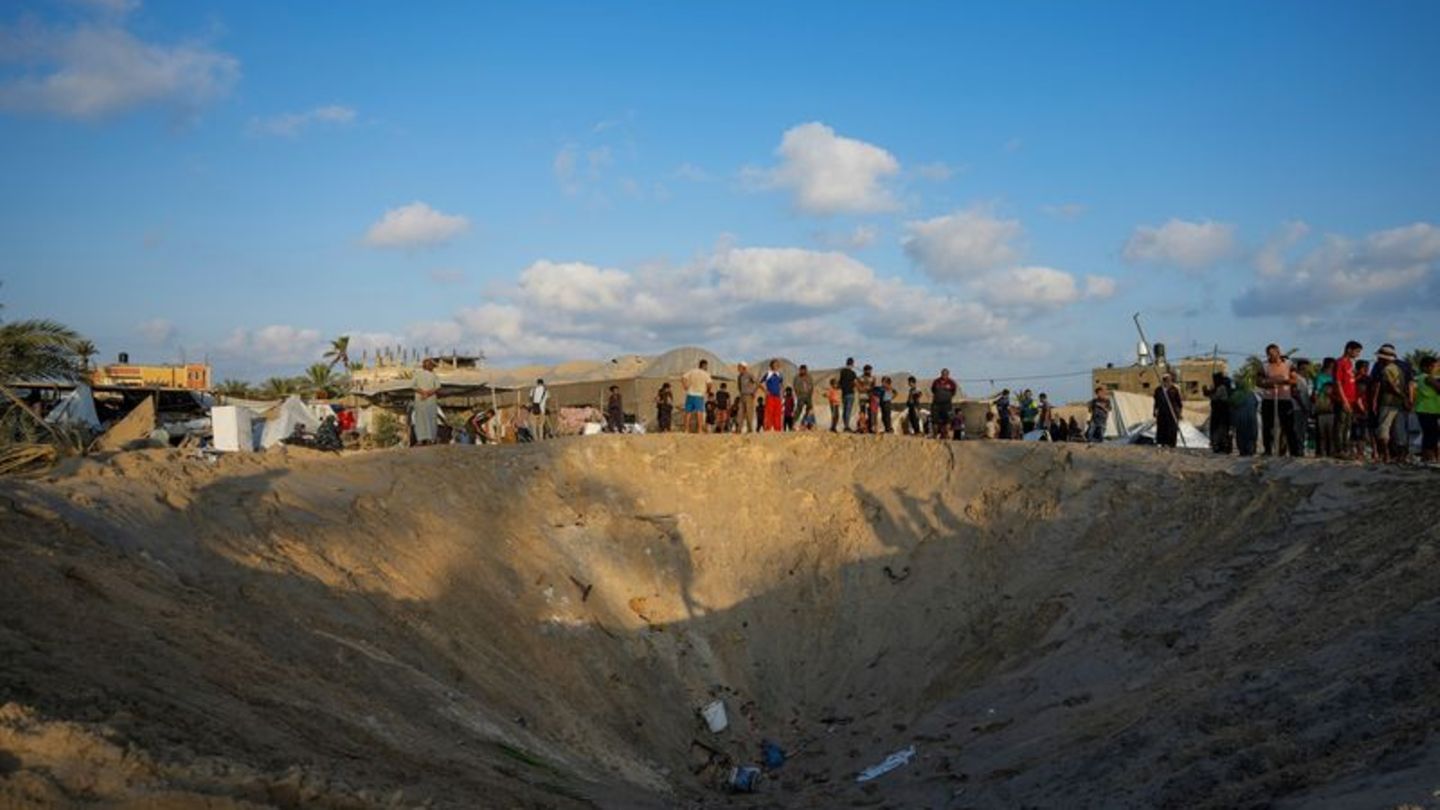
[(615, 411), (664, 407), (1167, 412), (912, 407), (1220, 423)]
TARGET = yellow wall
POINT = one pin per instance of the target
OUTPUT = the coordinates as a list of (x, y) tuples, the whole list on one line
[(194, 376)]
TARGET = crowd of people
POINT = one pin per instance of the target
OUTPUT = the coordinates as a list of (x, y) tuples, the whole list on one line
[(1348, 408), (856, 399)]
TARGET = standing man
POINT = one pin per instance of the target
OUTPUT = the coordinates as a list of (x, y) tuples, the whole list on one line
[(1346, 395), (942, 403), (1167, 412), (1277, 408), (804, 395), (1392, 436), (427, 402), (1219, 394), (697, 384), (1002, 410), (847, 391), (1304, 402), (539, 406), (1099, 415), (748, 386)]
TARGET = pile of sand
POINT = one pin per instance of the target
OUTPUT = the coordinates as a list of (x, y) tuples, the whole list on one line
[(535, 626)]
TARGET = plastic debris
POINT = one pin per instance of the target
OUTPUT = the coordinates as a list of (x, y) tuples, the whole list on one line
[(895, 760), (715, 717), (771, 754), (744, 778)]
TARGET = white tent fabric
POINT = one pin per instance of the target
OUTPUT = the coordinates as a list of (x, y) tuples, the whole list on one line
[(1190, 436), (283, 420), (1129, 413), (76, 409)]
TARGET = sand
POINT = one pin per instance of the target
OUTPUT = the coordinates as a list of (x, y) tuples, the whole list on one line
[(535, 626)]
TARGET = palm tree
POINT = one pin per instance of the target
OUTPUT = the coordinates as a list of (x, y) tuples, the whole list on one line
[(1251, 372), (320, 379), (86, 349), (234, 389), (39, 350), (278, 387), (1417, 356), (339, 352)]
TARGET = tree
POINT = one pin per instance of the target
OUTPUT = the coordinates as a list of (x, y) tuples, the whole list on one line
[(86, 349), (1416, 356), (1251, 372), (39, 350), (278, 387), (339, 352), (320, 379), (235, 389)]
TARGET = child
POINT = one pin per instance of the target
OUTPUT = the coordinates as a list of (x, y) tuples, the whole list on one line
[(722, 409), (957, 425), (912, 408), (788, 415), (615, 411), (1326, 441), (992, 427), (887, 402), (832, 395), (862, 420)]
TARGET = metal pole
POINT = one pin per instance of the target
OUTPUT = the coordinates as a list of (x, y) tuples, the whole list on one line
[(1171, 408)]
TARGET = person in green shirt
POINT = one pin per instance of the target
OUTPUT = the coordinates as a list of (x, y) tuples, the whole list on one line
[(1427, 408)]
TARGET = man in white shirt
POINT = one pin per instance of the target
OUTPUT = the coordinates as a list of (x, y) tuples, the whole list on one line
[(540, 406), (427, 403), (697, 384)]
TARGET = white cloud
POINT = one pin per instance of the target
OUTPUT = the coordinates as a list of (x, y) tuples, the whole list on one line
[(573, 286), (1393, 270), (962, 244), (415, 225), (1270, 258), (277, 344), (859, 238), (156, 330), (1099, 286), (97, 68), (830, 174), (1183, 244), (1039, 288), (792, 276), (290, 125)]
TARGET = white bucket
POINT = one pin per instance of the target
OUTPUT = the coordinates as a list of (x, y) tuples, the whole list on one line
[(714, 714)]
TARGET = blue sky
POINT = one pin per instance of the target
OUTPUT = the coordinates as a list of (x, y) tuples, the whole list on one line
[(996, 188)]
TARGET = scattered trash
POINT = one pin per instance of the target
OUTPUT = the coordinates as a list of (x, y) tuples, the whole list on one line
[(895, 760), (771, 754), (744, 778), (715, 717)]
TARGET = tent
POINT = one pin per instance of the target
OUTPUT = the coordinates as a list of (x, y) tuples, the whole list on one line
[(1132, 421), (281, 421), (75, 409)]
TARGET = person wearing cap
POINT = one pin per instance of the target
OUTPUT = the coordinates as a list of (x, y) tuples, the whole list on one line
[(1392, 400), (749, 387), (427, 403), (1277, 408)]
